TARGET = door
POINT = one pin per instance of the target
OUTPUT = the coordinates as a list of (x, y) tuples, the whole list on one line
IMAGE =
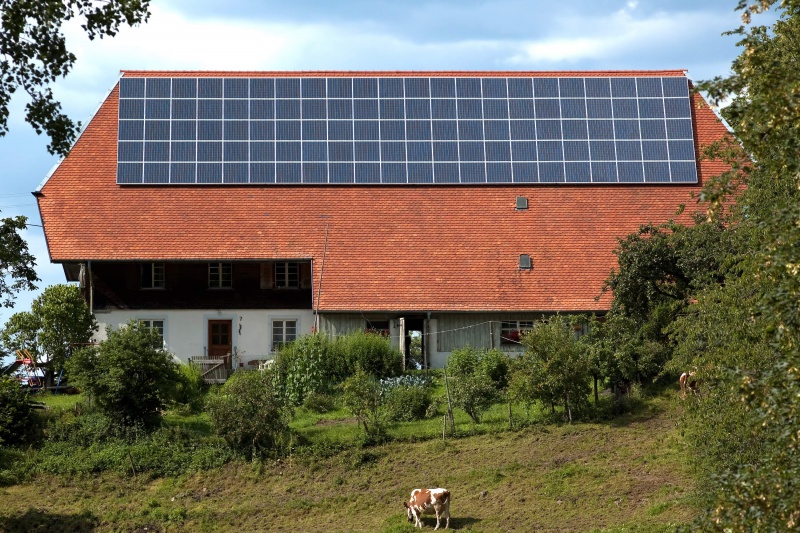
[(220, 343)]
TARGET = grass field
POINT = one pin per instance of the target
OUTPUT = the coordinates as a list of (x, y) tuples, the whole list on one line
[(628, 475)]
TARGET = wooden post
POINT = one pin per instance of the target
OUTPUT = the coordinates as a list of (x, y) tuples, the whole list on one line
[(449, 404)]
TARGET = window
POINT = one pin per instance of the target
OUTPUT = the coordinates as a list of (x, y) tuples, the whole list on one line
[(154, 325), (153, 276), (510, 331), (283, 331), (287, 275), (220, 275), (381, 327)]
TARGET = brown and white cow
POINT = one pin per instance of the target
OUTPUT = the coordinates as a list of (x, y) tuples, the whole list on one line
[(428, 501)]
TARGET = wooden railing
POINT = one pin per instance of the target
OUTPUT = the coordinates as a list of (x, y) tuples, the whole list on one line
[(214, 369)]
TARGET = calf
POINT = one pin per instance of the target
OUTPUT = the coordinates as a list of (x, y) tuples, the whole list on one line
[(428, 501)]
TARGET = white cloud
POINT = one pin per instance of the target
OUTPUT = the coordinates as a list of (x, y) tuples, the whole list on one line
[(618, 36)]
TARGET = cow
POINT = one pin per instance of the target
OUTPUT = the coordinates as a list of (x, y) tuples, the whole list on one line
[(428, 501)]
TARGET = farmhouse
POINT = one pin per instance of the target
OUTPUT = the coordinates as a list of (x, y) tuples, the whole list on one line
[(235, 211)]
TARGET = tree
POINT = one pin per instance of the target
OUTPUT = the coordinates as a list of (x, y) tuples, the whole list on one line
[(33, 55), (744, 334), (478, 379), (556, 366), (129, 376), (362, 396), (16, 262), (59, 320)]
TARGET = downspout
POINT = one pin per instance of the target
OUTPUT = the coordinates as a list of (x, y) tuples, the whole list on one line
[(319, 285), (91, 287)]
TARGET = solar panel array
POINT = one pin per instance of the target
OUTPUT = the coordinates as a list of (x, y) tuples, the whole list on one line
[(393, 130)]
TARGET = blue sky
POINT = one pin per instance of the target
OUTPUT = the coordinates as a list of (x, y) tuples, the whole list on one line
[(364, 35)]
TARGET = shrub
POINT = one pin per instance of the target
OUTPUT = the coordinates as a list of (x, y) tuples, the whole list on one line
[(407, 397), (18, 422), (250, 415), (407, 403), (478, 379), (305, 367), (369, 352), (129, 377), (320, 403), (362, 397), (191, 388)]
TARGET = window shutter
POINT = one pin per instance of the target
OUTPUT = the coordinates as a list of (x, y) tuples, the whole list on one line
[(267, 278), (305, 275)]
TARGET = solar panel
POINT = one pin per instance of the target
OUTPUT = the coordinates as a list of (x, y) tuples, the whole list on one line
[(374, 130)]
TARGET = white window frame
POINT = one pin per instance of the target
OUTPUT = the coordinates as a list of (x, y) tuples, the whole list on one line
[(149, 324), (510, 331), (290, 277), (217, 276), (275, 344), (157, 274)]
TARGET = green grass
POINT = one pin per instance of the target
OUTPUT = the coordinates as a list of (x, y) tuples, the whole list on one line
[(627, 475)]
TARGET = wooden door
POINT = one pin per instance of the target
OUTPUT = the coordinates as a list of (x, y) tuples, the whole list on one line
[(220, 342)]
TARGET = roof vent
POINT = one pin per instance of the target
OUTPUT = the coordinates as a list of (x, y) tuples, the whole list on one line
[(522, 203), (525, 262)]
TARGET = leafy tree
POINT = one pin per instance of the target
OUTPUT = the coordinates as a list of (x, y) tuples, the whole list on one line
[(250, 415), (129, 376), (478, 379), (16, 262), (34, 55), (752, 370), (362, 396), (555, 366), (59, 320)]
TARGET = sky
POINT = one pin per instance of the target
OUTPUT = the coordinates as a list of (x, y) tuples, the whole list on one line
[(362, 35)]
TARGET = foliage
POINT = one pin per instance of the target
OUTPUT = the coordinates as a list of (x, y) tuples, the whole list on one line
[(479, 378), (34, 52), (251, 416), (407, 397), (743, 335), (318, 402), (306, 366), (18, 423), (191, 388), (371, 352), (129, 377), (58, 321), (554, 368), (660, 269), (16, 262), (315, 364), (362, 396)]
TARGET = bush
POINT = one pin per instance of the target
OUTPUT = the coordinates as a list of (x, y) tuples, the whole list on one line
[(478, 379), (320, 403), (250, 415), (191, 388), (362, 396), (129, 377), (18, 422), (407, 403), (307, 366), (407, 397), (369, 352)]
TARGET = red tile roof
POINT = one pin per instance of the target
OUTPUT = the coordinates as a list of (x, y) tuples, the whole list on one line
[(390, 248)]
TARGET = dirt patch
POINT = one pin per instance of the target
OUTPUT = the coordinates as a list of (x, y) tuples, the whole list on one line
[(336, 421)]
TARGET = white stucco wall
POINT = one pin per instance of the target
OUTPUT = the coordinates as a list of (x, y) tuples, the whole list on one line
[(186, 332)]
